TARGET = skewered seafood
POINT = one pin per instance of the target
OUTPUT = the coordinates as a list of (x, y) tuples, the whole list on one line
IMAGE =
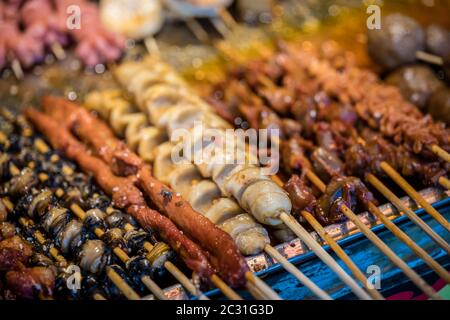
[(125, 195), (233, 267), (271, 200), (203, 194)]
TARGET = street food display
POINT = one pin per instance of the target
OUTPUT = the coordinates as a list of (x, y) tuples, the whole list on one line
[(103, 195)]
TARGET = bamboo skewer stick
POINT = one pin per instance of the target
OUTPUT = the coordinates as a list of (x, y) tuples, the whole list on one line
[(58, 51), (410, 243), (262, 286), (323, 255), (341, 254), (271, 251), (123, 287), (408, 212), (429, 57), (444, 182), (444, 155), (415, 278), (385, 248), (226, 290), (334, 245), (394, 175)]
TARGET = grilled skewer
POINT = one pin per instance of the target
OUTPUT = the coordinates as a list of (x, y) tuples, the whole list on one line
[(202, 193), (160, 84), (160, 194)]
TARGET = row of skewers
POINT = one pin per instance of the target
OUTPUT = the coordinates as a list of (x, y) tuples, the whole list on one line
[(169, 105), (164, 99), (32, 28), (66, 217)]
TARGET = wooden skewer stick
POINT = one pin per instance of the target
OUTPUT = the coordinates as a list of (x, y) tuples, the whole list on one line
[(98, 296), (385, 248), (410, 243), (334, 245), (391, 172), (173, 270), (227, 18), (444, 182), (226, 290), (271, 251), (198, 31), (415, 278), (323, 255), (122, 285), (148, 282), (58, 51), (397, 202), (262, 286), (17, 69), (430, 58), (341, 254), (444, 155), (220, 26), (42, 147)]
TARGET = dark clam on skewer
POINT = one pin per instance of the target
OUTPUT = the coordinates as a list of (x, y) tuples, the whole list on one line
[(75, 238)]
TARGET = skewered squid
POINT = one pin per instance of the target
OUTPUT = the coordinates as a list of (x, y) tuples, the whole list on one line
[(260, 196)]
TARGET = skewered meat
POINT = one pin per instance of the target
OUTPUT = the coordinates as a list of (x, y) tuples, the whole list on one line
[(438, 41), (360, 158), (417, 84), (439, 105), (397, 42), (23, 182), (27, 283), (98, 45), (301, 195), (7, 230), (342, 190), (172, 204), (326, 164), (14, 252)]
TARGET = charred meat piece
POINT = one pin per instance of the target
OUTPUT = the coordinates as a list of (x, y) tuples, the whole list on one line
[(349, 191), (28, 283), (14, 252)]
